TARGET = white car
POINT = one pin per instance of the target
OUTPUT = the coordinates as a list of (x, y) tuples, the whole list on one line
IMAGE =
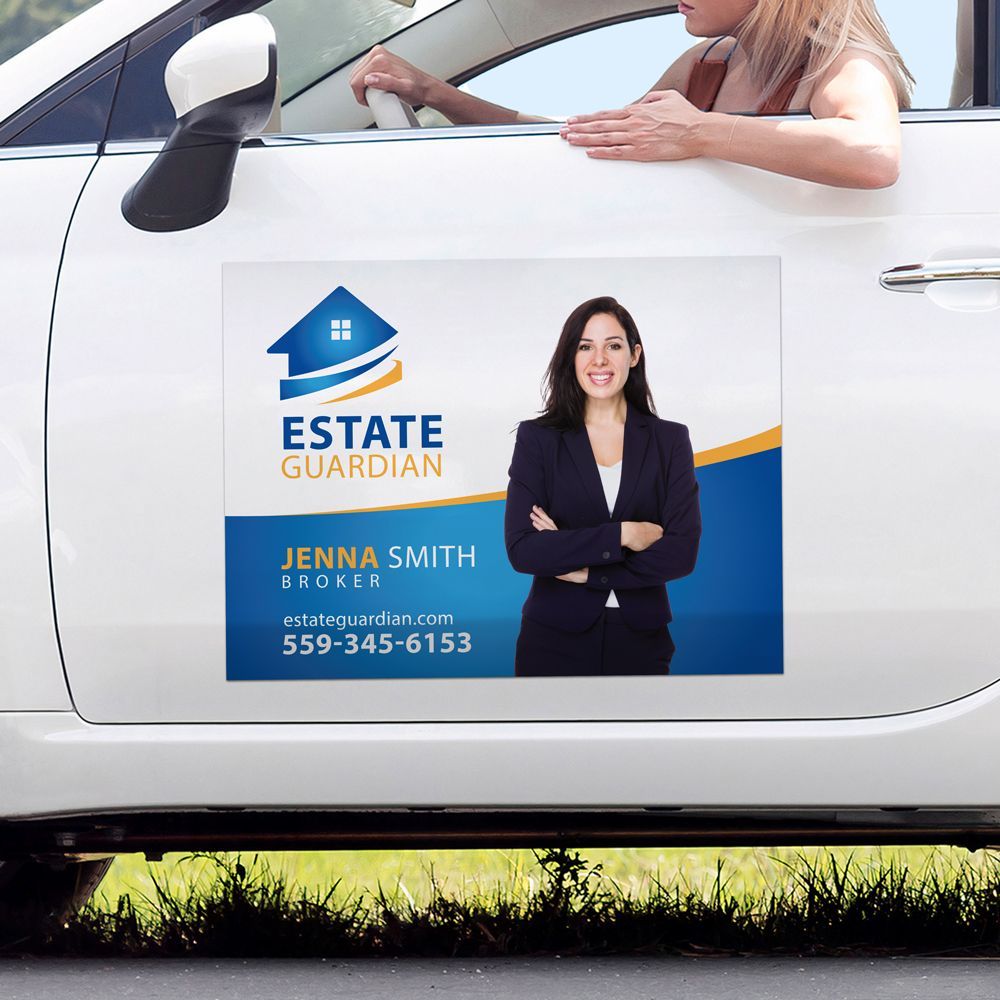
[(226, 622)]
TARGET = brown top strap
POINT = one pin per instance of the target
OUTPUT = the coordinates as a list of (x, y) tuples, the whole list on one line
[(705, 82), (781, 100), (708, 75)]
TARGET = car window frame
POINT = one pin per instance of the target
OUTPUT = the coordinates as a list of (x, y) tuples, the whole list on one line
[(990, 20)]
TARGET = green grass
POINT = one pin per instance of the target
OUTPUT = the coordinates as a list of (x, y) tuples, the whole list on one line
[(412, 874), (491, 903)]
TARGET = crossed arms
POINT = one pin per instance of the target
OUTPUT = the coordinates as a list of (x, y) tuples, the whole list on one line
[(600, 557)]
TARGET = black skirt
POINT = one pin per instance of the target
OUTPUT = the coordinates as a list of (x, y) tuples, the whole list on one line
[(608, 647)]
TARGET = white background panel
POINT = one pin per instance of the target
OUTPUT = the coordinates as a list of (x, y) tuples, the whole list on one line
[(475, 338)]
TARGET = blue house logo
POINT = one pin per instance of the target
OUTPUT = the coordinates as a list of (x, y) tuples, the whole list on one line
[(338, 331)]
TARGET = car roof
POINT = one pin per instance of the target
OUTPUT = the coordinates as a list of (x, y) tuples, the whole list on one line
[(54, 57)]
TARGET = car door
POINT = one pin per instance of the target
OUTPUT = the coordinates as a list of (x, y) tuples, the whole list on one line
[(200, 486)]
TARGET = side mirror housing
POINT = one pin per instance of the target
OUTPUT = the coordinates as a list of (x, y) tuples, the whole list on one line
[(223, 85)]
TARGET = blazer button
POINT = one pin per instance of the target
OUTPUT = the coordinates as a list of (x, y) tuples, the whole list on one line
[(607, 555), (604, 579)]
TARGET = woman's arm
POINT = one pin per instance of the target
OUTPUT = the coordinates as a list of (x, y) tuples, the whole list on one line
[(384, 70), (675, 554), (853, 142), (548, 553)]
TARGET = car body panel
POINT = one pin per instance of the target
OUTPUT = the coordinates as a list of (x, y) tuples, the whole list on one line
[(37, 195), (940, 758), (887, 402)]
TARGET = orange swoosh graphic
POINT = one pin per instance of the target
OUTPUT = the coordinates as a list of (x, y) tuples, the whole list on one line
[(389, 378), (766, 441)]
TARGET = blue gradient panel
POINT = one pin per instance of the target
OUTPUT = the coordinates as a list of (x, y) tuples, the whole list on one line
[(727, 614)]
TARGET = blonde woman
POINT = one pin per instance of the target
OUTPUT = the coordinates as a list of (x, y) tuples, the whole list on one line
[(832, 58)]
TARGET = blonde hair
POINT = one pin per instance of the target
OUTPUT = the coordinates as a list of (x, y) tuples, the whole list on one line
[(780, 36)]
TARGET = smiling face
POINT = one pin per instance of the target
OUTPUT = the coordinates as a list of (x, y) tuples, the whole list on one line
[(710, 18), (603, 358)]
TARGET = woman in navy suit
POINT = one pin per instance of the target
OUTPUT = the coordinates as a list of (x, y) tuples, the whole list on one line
[(602, 508)]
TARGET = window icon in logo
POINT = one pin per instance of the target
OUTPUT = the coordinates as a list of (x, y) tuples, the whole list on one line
[(340, 342)]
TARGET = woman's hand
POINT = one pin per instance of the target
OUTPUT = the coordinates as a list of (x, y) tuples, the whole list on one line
[(577, 576), (385, 71), (541, 521), (662, 126), (639, 535)]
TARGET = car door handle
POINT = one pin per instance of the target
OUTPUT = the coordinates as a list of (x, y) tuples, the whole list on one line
[(919, 277)]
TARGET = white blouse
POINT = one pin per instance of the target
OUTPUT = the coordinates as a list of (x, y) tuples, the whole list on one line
[(611, 480)]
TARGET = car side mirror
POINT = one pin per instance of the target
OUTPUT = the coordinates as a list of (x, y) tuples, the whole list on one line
[(223, 85)]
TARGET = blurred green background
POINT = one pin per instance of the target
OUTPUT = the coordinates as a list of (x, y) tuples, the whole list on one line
[(25, 21)]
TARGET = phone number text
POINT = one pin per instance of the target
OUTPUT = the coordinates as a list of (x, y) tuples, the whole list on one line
[(350, 643)]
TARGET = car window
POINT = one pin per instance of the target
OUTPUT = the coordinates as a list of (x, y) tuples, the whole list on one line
[(611, 66), (81, 118), (606, 67), (75, 110), (315, 39)]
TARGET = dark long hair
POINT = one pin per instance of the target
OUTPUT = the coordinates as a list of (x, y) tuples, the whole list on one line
[(564, 400)]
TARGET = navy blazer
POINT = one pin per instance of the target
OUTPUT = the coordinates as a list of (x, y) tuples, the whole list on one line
[(557, 471)]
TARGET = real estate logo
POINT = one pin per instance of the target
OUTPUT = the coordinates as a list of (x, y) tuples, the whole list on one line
[(344, 346), (340, 344)]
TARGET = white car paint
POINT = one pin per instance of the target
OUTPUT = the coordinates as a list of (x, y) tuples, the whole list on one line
[(36, 199), (942, 758)]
